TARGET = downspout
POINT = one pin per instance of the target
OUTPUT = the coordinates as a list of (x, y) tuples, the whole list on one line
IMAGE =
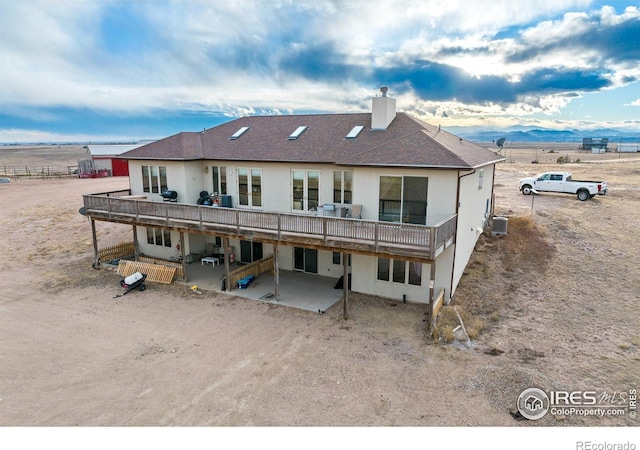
[(453, 265), (493, 186)]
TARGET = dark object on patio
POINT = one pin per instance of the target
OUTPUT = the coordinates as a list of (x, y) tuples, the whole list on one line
[(340, 283), (169, 196), (245, 282), (204, 199)]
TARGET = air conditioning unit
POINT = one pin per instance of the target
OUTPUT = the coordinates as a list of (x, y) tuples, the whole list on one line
[(499, 226)]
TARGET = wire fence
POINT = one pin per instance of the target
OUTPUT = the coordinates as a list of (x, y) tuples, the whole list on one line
[(44, 172)]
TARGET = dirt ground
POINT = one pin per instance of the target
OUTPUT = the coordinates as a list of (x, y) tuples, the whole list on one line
[(71, 354)]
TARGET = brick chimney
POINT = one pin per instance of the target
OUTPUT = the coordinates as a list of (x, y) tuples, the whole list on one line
[(383, 111)]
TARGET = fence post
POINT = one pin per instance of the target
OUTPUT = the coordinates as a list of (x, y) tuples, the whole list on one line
[(276, 272)]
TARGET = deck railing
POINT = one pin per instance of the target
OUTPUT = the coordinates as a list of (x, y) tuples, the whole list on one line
[(329, 232)]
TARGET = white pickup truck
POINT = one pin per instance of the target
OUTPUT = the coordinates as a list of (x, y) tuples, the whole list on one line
[(562, 182)]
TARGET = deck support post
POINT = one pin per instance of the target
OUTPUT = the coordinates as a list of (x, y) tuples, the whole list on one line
[(345, 285), (136, 247), (276, 273), (182, 258), (225, 244), (96, 255), (430, 319)]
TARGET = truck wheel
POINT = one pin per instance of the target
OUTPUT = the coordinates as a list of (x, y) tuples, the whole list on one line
[(526, 189), (583, 195), (142, 287)]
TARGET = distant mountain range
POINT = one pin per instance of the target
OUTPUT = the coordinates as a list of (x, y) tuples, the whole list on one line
[(522, 134)]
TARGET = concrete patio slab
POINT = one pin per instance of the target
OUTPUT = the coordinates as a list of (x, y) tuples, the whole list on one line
[(297, 289)]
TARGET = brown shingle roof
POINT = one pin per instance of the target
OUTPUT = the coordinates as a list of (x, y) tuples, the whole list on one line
[(406, 142)]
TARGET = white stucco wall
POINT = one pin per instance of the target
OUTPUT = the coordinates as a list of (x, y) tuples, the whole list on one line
[(441, 190), (158, 251), (189, 178), (178, 173), (364, 279), (472, 214)]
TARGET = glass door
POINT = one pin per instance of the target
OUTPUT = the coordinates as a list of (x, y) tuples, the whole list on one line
[(305, 189), (305, 259)]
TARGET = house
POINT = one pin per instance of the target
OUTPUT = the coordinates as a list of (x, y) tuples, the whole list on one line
[(391, 201)]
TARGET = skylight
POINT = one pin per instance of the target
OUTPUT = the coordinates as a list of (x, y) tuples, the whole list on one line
[(296, 134), (355, 131), (239, 133)]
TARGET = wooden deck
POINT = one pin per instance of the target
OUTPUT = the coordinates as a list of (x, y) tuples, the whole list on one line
[(413, 242)]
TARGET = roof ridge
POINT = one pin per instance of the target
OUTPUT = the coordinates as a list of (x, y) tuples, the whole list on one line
[(449, 134)]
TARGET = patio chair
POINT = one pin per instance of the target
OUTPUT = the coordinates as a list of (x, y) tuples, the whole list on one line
[(355, 212)]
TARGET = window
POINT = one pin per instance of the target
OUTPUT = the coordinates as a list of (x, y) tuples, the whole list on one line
[(154, 179), (305, 190), (220, 180), (145, 178), (342, 186), (403, 272), (159, 236), (415, 273), (296, 134), (163, 178), (250, 251), (355, 131), (155, 182), (239, 133), (480, 178), (250, 187), (399, 270), (383, 269), (337, 259), (256, 187), (403, 199)]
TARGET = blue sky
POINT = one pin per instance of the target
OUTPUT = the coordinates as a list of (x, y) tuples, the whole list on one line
[(79, 70)]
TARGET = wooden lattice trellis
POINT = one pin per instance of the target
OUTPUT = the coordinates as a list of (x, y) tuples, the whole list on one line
[(155, 272), (116, 251)]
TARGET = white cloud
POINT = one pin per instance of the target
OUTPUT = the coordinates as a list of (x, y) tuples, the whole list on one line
[(52, 54), (37, 136)]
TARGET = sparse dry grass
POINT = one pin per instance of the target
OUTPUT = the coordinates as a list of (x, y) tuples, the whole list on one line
[(564, 329), (503, 259)]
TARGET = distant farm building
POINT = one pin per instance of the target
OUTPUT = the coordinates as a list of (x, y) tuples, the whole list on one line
[(103, 160), (631, 147), (595, 145)]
